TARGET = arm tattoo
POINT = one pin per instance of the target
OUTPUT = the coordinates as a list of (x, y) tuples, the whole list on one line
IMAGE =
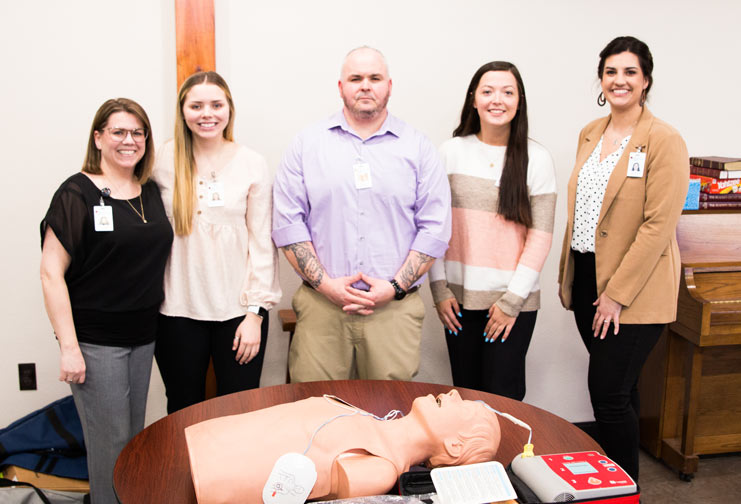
[(410, 272), (307, 262)]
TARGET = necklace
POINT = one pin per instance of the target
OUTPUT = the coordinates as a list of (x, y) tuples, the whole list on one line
[(141, 203)]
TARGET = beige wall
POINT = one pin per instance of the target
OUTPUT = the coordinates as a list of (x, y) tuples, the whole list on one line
[(282, 60)]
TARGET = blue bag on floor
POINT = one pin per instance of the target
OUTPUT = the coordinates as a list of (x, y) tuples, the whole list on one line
[(48, 441)]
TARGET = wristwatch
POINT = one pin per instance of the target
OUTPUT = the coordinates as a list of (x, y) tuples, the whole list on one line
[(400, 293)]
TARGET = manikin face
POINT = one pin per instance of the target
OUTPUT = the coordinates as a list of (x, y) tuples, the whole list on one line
[(445, 414), (365, 86), (206, 111), (496, 98), (623, 81), (120, 154)]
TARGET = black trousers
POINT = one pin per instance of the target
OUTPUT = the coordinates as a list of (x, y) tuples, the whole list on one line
[(498, 368), (615, 365), (183, 349)]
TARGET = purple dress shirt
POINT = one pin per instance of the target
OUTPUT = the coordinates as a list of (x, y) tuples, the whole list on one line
[(370, 230)]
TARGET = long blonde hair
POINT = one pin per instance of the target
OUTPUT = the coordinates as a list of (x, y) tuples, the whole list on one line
[(184, 190)]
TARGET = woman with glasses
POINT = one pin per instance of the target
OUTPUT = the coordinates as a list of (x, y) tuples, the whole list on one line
[(222, 275), (620, 260), (503, 195), (105, 241)]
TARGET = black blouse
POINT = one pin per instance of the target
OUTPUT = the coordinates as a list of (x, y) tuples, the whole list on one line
[(114, 277)]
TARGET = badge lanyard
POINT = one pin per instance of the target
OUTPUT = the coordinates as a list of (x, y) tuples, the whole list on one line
[(102, 214), (636, 163), (215, 190)]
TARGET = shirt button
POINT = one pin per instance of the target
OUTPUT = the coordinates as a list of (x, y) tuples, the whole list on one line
[(201, 182), (361, 263), (362, 213), (199, 212), (200, 196), (362, 238)]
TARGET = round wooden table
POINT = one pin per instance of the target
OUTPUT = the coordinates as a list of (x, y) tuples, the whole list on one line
[(154, 466)]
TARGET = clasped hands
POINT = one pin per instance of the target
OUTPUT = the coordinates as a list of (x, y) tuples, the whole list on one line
[(341, 292)]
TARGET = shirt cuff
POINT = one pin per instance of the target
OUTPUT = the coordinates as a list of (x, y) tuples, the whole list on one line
[(429, 245), (292, 233)]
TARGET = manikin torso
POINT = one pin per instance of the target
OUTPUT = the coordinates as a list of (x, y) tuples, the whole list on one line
[(231, 457)]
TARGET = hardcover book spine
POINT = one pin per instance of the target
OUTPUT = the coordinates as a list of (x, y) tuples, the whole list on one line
[(706, 172), (720, 197), (710, 205)]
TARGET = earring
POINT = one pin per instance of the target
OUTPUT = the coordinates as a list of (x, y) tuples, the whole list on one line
[(601, 99), (643, 98)]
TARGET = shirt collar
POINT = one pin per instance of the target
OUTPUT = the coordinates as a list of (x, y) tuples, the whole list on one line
[(391, 125)]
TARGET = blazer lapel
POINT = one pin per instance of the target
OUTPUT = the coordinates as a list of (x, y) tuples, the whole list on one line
[(589, 142), (638, 139)]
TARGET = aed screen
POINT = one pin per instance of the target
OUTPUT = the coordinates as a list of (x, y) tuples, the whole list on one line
[(580, 468)]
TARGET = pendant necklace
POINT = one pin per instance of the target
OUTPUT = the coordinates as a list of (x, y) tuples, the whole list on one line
[(141, 203)]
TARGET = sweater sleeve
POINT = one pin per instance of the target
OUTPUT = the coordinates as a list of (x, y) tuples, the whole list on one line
[(261, 284), (542, 189)]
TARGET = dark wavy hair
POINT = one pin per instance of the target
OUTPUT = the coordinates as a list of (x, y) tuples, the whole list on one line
[(634, 46), (514, 200)]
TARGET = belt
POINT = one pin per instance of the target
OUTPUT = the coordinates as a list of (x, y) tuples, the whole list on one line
[(413, 289)]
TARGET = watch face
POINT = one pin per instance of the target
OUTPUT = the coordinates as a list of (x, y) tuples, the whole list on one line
[(400, 293)]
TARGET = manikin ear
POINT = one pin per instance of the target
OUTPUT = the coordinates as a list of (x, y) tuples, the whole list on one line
[(454, 447)]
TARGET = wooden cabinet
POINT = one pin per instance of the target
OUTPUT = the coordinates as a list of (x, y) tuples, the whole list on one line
[(691, 384)]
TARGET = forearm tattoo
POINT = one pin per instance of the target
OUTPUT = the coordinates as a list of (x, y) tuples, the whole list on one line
[(307, 262), (412, 269)]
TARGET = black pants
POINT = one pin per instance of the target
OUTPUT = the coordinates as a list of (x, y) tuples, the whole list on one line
[(498, 368), (185, 346), (614, 368)]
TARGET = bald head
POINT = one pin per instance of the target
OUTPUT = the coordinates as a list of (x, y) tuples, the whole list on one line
[(366, 51)]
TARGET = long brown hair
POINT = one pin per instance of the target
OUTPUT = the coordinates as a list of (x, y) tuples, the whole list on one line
[(143, 168), (514, 200), (184, 189)]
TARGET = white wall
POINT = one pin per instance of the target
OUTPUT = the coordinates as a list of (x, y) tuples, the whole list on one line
[(282, 61)]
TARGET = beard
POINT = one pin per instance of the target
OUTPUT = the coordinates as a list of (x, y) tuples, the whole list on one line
[(362, 112)]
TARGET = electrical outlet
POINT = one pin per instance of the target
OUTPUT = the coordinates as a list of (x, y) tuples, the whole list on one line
[(27, 376)]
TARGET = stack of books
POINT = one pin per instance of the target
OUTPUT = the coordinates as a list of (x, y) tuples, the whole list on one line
[(720, 181)]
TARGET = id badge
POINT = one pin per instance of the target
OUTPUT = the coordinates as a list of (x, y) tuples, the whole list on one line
[(215, 194), (636, 163), (362, 175), (103, 218)]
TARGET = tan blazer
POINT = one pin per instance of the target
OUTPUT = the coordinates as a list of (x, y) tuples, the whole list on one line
[(636, 253)]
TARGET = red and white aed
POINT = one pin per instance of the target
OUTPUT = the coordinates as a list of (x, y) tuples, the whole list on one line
[(566, 477)]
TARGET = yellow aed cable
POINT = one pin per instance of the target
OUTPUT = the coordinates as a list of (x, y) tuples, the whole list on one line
[(527, 450)]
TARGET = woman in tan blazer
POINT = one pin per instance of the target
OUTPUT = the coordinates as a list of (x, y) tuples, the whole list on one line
[(620, 263)]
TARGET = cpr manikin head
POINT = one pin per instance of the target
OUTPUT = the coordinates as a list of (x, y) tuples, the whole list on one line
[(466, 431)]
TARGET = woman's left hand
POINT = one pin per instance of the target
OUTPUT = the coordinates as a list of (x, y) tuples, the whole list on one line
[(608, 310), (247, 338), (499, 323)]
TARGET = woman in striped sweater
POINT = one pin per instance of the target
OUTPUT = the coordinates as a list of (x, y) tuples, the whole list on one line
[(503, 195)]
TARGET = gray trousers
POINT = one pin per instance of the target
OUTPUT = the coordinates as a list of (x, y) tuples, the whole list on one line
[(111, 404)]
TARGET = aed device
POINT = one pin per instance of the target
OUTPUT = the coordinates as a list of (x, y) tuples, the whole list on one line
[(567, 477)]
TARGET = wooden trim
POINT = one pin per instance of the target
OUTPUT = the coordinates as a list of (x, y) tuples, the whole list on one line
[(195, 37)]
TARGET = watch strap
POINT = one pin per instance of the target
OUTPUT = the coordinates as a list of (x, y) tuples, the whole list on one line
[(400, 293)]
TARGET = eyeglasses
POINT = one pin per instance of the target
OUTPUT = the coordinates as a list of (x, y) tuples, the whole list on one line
[(120, 134)]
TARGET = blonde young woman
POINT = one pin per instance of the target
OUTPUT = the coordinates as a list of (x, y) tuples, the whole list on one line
[(620, 261), (222, 274), (105, 241)]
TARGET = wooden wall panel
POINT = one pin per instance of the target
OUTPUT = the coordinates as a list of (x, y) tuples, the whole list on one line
[(195, 37)]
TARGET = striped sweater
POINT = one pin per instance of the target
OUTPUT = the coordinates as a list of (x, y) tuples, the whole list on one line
[(492, 260)]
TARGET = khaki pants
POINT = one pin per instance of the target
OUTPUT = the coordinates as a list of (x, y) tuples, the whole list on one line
[(329, 343)]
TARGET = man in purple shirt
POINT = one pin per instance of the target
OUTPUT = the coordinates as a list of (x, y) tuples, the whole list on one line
[(361, 211)]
